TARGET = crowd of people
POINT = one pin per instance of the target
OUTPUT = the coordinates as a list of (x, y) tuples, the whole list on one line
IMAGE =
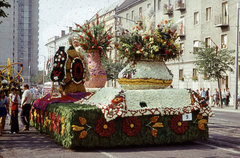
[(214, 98), (14, 102)]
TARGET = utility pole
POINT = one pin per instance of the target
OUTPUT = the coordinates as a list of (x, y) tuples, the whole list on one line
[(236, 59)]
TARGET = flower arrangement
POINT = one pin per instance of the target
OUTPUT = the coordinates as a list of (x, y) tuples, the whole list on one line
[(93, 36), (181, 78), (195, 78), (206, 78), (158, 46), (131, 126), (177, 125)]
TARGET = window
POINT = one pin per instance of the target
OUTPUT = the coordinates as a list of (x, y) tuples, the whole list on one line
[(126, 17), (159, 4), (194, 72), (181, 48), (180, 73), (148, 5), (208, 14), (225, 13), (196, 18), (224, 41), (208, 42), (195, 45), (140, 13), (133, 15)]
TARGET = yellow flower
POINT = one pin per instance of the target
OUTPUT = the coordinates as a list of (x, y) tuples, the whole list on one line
[(138, 52), (204, 121), (63, 119), (83, 134), (77, 128), (63, 129), (154, 132), (199, 116), (201, 126), (154, 119), (82, 120)]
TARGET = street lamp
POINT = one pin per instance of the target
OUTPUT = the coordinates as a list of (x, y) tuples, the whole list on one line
[(236, 61)]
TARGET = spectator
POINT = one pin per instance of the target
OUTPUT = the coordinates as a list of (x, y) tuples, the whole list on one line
[(224, 97), (3, 110), (228, 96), (15, 101), (203, 93), (207, 96), (26, 106), (216, 98)]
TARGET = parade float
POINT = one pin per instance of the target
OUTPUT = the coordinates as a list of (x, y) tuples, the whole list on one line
[(143, 112)]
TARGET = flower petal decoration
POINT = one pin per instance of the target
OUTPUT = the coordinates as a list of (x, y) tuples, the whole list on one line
[(199, 116), (131, 126), (83, 134), (154, 132), (154, 119), (104, 128), (77, 128), (177, 125), (201, 126), (58, 123), (158, 124), (204, 121), (82, 120)]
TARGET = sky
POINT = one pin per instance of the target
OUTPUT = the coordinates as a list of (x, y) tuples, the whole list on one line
[(57, 15)]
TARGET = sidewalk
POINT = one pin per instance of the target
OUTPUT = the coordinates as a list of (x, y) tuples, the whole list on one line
[(229, 108)]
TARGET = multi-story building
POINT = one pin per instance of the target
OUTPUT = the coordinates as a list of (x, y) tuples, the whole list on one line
[(210, 21), (19, 36)]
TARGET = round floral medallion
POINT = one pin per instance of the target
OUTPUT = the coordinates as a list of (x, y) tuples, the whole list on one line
[(177, 125), (131, 126), (104, 128)]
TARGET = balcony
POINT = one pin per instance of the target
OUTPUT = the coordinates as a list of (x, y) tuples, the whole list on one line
[(221, 21), (167, 9), (181, 31), (180, 5)]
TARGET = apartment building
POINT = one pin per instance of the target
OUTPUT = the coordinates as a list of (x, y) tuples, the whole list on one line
[(19, 36), (198, 20)]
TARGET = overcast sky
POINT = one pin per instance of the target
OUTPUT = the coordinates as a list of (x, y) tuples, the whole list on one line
[(57, 15)]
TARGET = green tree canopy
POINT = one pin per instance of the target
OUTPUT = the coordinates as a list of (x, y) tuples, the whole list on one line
[(212, 62), (3, 4)]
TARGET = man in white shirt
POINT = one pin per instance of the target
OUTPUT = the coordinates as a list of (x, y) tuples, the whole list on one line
[(26, 106), (203, 93)]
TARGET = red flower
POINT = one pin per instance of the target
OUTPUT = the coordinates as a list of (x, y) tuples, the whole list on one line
[(177, 125), (93, 23), (42, 117), (131, 126), (117, 100), (53, 122), (104, 128), (58, 124), (146, 37)]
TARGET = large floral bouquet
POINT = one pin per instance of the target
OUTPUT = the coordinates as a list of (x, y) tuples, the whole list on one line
[(139, 45), (93, 35)]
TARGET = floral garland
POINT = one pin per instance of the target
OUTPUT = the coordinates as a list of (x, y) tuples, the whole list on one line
[(177, 125), (58, 121), (53, 122), (104, 128), (131, 126), (63, 125)]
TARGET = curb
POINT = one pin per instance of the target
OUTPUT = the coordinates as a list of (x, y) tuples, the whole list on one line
[(226, 110)]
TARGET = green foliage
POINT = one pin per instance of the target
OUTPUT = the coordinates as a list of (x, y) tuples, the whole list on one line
[(212, 64), (3, 4), (112, 67), (38, 78)]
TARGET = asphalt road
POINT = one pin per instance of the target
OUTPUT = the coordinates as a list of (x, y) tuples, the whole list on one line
[(224, 141)]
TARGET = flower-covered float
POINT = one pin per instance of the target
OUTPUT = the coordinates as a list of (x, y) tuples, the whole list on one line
[(139, 114)]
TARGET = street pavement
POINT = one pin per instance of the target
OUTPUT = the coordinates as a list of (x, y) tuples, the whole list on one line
[(223, 142)]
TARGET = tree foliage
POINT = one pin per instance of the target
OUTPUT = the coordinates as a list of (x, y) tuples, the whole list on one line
[(212, 62), (3, 4)]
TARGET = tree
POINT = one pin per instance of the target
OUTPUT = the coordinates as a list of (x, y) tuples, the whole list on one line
[(3, 4), (212, 62)]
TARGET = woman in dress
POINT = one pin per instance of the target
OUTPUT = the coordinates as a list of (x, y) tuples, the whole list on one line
[(3, 110), (15, 101), (216, 97)]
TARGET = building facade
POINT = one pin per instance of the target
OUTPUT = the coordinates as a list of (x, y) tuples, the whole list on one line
[(19, 36)]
